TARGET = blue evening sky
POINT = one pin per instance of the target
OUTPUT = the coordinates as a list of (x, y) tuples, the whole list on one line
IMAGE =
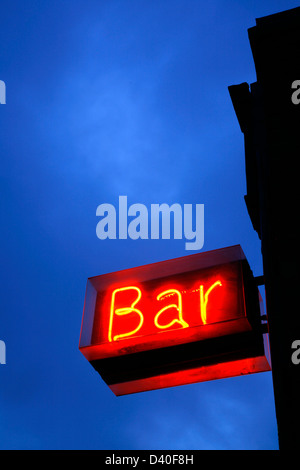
[(107, 98)]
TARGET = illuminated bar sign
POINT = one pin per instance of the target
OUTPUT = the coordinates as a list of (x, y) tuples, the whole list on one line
[(175, 322)]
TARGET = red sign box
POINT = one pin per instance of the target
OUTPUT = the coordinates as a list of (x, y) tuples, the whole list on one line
[(174, 322)]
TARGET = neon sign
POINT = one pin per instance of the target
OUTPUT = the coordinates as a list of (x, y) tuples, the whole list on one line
[(139, 324)]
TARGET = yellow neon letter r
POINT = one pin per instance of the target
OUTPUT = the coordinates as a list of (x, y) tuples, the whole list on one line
[(204, 300)]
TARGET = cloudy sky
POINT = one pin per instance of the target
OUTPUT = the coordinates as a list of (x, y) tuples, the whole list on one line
[(107, 98)]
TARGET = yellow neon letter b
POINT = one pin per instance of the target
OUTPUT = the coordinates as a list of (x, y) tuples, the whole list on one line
[(124, 311)]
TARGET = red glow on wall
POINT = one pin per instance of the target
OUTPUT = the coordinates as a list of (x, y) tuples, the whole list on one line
[(146, 310)]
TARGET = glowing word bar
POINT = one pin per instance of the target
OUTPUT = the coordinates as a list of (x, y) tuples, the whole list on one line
[(177, 310)]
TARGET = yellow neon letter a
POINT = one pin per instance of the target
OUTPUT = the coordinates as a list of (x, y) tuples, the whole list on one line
[(204, 300), (124, 311), (178, 308)]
